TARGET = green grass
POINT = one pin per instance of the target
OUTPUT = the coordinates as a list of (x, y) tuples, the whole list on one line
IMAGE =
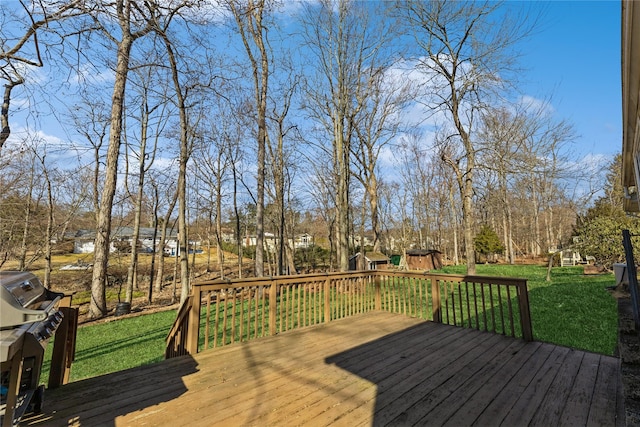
[(572, 310), (111, 295), (117, 345)]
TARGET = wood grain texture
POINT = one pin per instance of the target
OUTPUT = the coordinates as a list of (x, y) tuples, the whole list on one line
[(376, 368)]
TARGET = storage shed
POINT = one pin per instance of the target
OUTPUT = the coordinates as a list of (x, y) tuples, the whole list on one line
[(373, 261), (424, 259)]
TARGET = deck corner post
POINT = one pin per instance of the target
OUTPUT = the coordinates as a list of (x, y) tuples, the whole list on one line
[(64, 348), (273, 307), (525, 313), (193, 329), (435, 300), (327, 300)]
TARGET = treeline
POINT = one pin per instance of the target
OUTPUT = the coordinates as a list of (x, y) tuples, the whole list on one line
[(396, 121)]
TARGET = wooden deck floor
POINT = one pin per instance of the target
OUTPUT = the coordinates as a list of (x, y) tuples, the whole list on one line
[(372, 369)]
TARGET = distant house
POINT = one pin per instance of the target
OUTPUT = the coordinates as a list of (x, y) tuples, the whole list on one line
[(424, 259), (304, 240), (372, 261), (84, 239), (271, 241)]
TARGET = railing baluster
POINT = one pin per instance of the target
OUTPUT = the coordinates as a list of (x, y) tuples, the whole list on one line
[(493, 311), (453, 301), (273, 306), (241, 332), (217, 321), (327, 300), (299, 296), (510, 311), (283, 305), (469, 316), (207, 321), (504, 331), (460, 304), (263, 317), (484, 307), (475, 305), (234, 308), (224, 320), (286, 296), (446, 300), (436, 312)]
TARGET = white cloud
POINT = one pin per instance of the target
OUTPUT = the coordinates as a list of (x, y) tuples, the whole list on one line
[(533, 104)]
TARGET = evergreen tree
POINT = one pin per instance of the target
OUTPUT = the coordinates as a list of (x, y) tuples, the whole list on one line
[(488, 243)]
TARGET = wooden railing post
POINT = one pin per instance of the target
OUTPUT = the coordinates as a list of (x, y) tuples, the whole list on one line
[(435, 300), (327, 300), (64, 348), (273, 307), (64, 344), (193, 328), (525, 313)]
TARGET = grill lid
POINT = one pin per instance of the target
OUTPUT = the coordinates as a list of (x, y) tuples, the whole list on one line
[(23, 299)]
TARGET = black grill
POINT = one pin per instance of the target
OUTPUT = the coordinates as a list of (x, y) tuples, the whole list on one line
[(29, 316)]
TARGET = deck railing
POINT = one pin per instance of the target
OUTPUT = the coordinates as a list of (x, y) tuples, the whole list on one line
[(222, 312)]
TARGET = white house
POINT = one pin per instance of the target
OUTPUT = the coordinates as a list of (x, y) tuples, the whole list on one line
[(84, 239)]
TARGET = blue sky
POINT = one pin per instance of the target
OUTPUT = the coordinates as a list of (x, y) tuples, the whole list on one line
[(575, 59)]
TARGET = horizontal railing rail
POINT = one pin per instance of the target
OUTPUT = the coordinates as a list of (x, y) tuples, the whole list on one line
[(221, 312)]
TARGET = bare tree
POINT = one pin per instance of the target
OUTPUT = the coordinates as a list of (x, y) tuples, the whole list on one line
[(133, 23), (188, 80), (249, 18), (280, 168), (523, 144), (376, 125), (504, 136), (465, 51), (21, 51), (343, 45), (150, 131), (166, 195), (212, 164)]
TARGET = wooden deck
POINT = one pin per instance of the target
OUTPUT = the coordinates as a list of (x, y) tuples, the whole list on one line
[(371, 369)]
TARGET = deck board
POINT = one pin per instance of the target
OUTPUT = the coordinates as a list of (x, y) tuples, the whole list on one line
[(372, 369)]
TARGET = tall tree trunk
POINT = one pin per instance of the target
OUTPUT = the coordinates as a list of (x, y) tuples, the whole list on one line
[(183, 232), (163, 238), (219, 252), (373, 207), (454, 225), (236, 211), (22, 259), (342, 197), (132, 271), (154, 246), (98, 303), (249, 21), (49, 233)]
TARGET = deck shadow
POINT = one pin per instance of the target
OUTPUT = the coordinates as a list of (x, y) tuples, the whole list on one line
[(128, 390), (459, 377)]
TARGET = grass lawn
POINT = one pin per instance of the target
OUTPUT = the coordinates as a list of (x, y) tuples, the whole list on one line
[(117, 345), (572, 310)]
